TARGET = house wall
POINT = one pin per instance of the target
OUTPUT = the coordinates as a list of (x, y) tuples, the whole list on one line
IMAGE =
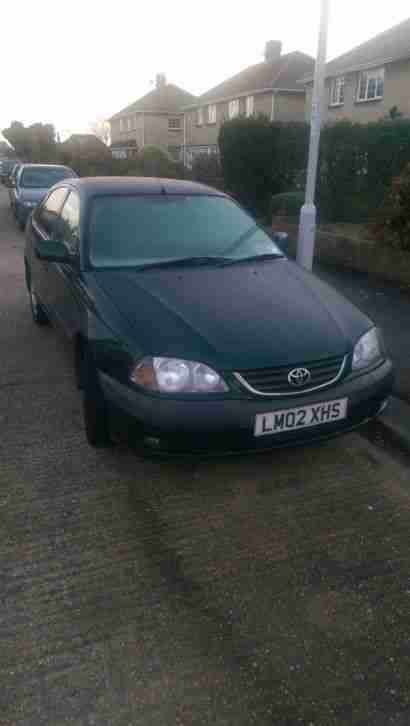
[(289, 107), (262, 103), (148, 129), (396, 93)]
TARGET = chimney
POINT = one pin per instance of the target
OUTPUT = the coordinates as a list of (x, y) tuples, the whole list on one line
[(160, 80), (273, 50)]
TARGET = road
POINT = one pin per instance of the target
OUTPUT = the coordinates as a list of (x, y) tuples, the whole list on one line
[(270, 589)]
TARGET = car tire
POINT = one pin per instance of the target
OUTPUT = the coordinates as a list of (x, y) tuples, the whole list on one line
[(95, 413), (38, 313)]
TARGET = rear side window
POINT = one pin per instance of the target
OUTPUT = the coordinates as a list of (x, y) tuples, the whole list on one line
[(48, 214), (70, 217)]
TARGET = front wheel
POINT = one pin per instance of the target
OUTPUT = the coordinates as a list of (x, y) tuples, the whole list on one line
[(94, 410)]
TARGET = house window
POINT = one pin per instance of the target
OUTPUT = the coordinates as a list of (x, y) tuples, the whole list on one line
[(130, 124), (174, 124), (371, 85), (233, 108), (337, 91), (212, 114), (200, 117), (121, 125), (249, 105)]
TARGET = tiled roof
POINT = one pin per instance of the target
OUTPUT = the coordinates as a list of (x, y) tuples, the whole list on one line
[(282, 73), (390, 45), (165, 99)]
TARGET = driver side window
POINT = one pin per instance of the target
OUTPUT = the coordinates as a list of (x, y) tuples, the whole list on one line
[(48, 214), (70, 217)]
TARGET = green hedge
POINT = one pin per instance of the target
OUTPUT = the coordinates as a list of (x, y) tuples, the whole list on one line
[(260, 158), (356, 165)]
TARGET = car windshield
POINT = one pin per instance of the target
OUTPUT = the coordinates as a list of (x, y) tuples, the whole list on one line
[(132, 231), (44, 178)]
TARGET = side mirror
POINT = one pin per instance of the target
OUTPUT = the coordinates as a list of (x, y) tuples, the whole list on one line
[(52, 251), (282, 240)]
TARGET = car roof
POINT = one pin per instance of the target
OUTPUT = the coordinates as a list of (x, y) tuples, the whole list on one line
[(46, 166), (100, 186)]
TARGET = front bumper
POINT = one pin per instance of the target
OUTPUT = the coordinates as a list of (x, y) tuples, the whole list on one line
[(227, 425)]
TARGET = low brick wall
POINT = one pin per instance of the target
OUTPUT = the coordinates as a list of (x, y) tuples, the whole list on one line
[(363, 255)]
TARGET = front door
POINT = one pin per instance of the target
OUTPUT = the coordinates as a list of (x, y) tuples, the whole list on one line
[(64, 276), (46, 224)]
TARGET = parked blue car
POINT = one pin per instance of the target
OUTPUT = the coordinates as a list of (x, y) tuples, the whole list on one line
[(31, 184)]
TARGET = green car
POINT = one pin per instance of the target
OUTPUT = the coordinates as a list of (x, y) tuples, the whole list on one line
[(191, 329)]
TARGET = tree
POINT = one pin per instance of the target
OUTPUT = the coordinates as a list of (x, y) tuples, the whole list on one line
[(101, 128), (35, 143)]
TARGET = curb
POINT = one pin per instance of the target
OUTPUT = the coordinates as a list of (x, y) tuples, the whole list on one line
[(396, 419)]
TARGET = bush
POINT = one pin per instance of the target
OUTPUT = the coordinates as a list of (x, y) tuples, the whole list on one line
[(260, 158), (291, 144), (206, 168), (393, 224), (288, 204), (356, 166), (155, 161), (247, 156)]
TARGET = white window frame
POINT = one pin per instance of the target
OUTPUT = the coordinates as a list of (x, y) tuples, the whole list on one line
[(374, 74), (250, 105), (233, 108), (337, 91), (172, 121), (200, 117), (212, 113)]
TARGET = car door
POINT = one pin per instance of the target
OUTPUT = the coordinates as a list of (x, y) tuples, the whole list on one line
[(65, 276), (46, 224)]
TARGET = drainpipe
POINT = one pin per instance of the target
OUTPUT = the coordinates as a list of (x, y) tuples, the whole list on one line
[(143, 129)]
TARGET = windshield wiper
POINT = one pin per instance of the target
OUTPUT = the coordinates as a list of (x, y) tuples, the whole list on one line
[(185, 261), (253, 258)]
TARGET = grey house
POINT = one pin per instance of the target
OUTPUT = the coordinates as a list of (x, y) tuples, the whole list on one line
[(157, 118), (367, 82), (270, 87)]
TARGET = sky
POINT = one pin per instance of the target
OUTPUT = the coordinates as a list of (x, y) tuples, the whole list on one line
[(71, 63)]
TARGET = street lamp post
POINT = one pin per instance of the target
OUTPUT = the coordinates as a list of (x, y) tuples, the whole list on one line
[(307, 222)]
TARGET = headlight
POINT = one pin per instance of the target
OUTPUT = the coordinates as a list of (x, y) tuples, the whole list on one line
[(173, 375), (28, 204), (368, 350)]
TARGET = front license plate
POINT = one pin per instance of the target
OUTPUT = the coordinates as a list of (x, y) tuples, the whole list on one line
[(302, 417)]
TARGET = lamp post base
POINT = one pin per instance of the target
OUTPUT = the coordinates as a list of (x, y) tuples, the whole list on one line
[(306, 236)]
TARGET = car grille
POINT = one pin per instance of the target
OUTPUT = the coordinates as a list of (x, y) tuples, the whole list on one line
[(274, 381)]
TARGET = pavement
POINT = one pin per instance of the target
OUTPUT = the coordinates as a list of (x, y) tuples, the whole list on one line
[(266, 590), (388, 304)]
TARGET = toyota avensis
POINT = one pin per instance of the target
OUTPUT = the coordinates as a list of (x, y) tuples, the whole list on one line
[(191, 329)]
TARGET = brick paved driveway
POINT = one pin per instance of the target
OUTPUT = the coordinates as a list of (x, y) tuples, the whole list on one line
[(259, 590)]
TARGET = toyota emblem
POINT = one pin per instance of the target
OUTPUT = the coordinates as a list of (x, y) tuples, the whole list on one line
[(299, 377)]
